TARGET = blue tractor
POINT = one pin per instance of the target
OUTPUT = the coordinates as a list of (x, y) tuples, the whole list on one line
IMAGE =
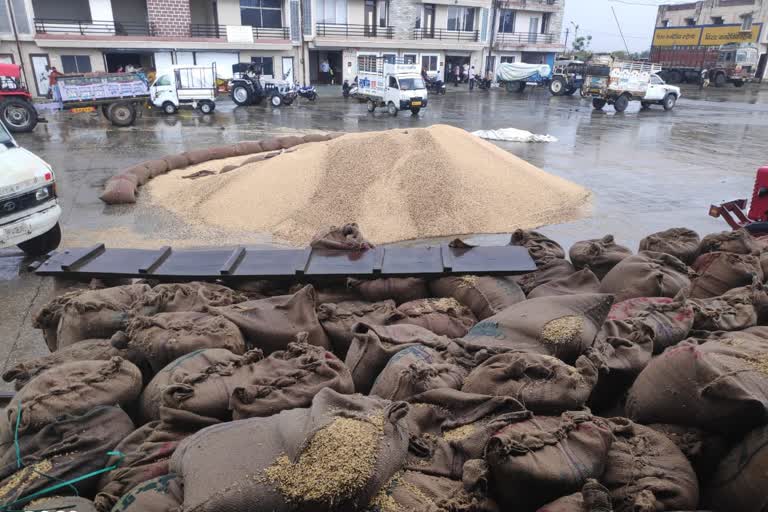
[(567, 77)]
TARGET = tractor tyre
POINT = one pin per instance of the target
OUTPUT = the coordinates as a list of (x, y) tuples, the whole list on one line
[(18, 114)]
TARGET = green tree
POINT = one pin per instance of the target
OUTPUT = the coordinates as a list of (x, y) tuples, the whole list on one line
[(581, 47)]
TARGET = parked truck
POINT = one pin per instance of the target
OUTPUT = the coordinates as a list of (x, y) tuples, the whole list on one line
[(120, 96), (193, 86), (394, 85), (734, 63)]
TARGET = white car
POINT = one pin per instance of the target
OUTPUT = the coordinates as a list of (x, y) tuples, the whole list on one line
[(660, 93), (29, 210)]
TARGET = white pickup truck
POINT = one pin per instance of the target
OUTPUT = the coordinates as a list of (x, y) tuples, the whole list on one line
[(178, 86), (616, 83), (29, 210), (396, 86)]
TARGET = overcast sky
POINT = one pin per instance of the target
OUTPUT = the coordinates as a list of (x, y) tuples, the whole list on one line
[(594, 17)]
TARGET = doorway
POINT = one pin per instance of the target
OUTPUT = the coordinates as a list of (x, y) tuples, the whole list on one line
[(40, 64), (451, 61), (325, 67), (370, 18), (288, 69), (429, 21)]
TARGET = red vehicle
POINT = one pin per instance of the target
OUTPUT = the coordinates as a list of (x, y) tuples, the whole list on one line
[(730, 63), (756, 219), (16, 109)]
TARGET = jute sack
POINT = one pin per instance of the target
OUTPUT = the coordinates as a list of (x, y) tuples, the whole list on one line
[(399, 289), (548, 270), (739, 481), (740, 241), (414, 370), (344, 238), (723, 271), (449, 430), (721, 385), (74, 388), (270, 324), (670, 319), (563, 327), (599, 255), (162, 494), (338, 319), (336, 455), (594, 497), (444, 317), (66, 447), (185, 297), (757, 295), (373, 346), (582, 281), (543, 384), (724, 313), (164, 337), (646, 472), (540, 247), (703, 450), (91, 314), (647, 274), (483, 295), (68, 503), (535, 461), (682, 243)]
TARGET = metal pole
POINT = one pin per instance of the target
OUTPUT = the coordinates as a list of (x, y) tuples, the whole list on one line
[(491, 36), (620, 32), (18, 43)]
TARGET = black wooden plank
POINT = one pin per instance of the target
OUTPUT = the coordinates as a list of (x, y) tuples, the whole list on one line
[(412, 261), (233, 261), (491, 260), (67, 256), (446, 256), (118, 262), (90, 253), (378, 262), (270, 263), (302, 263), (194, 263), (154, 261), (326, 262)]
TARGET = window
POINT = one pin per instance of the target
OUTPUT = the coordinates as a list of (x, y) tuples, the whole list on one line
[(409, 58), (57, 10), (20, 14), (266, 63), (746, 22), (664, 23), (411, 84), (393, 82), (262, 13), (717, 20), (76, 64), (332, 11), (429, 62), (382, 6), (655, 80), (461, 18), (389, 58), (690, 22), (507, 21), (163, 80), (507, 58), (545, 17)]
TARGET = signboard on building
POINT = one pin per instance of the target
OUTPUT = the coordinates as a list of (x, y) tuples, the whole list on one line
[(677, 36), (239, 34), (723, 34)]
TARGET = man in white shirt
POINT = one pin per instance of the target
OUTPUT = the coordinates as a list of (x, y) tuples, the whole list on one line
[(325, 69)]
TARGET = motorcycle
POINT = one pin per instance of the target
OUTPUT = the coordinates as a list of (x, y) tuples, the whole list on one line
[(346, 88), (482, 83), (308, 91), (435, 85)]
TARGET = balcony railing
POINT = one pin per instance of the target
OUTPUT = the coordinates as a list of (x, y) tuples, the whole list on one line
[(350, 31), (446, 35), (92, 27), (528, 3), (210, 31), (523, 38)]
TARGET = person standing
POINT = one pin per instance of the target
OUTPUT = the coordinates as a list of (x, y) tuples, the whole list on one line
[(325, 70), (53, 91), (465, 72), (472, 78), (456, 75)]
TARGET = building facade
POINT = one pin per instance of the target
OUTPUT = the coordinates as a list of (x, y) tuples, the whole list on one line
[(710, 23), (291, 39)]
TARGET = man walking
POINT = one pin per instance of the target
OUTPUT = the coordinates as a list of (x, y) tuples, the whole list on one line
[(472, 78)]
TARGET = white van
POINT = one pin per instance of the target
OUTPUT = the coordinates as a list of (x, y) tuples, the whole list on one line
[(396, 86), (29, 210), (185, 85)]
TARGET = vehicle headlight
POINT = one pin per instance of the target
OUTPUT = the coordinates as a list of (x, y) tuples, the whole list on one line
[(44, 193)]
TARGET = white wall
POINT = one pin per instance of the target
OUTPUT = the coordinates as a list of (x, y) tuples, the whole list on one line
[(101, 10), (229, 12), (523, 21), (355, 12)]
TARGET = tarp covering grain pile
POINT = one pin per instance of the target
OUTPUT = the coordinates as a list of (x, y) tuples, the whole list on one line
[(535, 393), (398, 184)]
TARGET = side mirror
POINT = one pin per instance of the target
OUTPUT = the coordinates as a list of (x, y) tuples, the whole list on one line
[(762, 192)]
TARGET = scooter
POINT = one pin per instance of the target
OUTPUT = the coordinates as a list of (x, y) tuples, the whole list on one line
[(435, 85), (482, 83), (346, 88)]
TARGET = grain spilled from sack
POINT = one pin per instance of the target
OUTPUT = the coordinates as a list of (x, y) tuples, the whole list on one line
[(397, 185)]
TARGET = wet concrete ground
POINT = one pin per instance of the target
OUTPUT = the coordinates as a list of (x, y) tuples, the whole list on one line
[(648, 170)]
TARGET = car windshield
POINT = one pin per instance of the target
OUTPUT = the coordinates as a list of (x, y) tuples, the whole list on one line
[(5, 137), (411, 84)]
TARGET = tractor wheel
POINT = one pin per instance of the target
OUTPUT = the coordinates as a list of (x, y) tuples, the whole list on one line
[(720, 80), (240, 95), (122, 114), (557, 86), (276, 100), (621, 103), (18, 114), (598, 103)]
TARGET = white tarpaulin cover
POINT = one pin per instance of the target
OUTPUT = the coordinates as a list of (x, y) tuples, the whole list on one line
[(512, 71), (513, 135)]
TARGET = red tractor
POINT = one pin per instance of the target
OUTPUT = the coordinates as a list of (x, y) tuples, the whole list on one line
[(756, 219), (17, 111)]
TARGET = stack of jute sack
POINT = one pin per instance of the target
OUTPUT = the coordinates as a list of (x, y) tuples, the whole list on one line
[(608, 381)]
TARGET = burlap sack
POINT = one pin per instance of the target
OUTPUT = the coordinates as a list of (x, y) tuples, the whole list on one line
[(563, 326), (178, 161), (74, 388), (248, 147), (289, 141), (547, 271), (682, 243), (185, 297), (338, 319), (316, 137), (68, 503), (119, 190), (594, 497), (583, 281), (543, 384), (399, 289), (336, 455), (161, 494), (444, 317), (647, 274), (541, 247), (536, 461), (141, 173), (165, 337), (720, 386), (737, 242), (373, 346), (724, 313), (739, 482), (723, 271), (90, 314), (449, 430), (646, 472), (270, 324), (483, 295), (414, 370), (599, 255), (670, 319), (156, 167), (66, 447), (757, 295), (703, 450), (343, 238)]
